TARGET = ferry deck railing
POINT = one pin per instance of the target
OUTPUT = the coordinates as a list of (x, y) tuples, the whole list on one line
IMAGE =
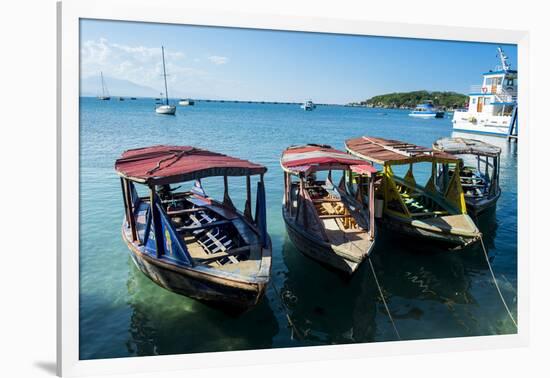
[(503, 94)]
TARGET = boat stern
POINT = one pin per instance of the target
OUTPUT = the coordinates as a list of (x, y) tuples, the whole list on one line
[(458, 229)]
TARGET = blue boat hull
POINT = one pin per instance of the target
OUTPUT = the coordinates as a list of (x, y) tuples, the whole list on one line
[(211, 289)]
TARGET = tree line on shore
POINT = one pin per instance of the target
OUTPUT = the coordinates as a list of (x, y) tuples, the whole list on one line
[(408, 100)]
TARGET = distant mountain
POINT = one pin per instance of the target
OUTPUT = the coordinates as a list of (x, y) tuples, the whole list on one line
[(91, 86)]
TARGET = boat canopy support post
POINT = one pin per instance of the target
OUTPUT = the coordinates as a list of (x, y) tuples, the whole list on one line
[(123, 189), (286, 187), (226, 198), (247, 209), (300, 202), (371, 207), (493, 184), (288, 193), (129, 208), (157, 226), (261, 216), (359, 194)]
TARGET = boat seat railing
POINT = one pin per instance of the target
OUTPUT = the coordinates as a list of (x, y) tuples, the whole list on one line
[(204, 226), (214, 242), (428, 214), (334, 216), (211, 235), (473, 186), (198, 218), (423, 205), (185, 211), (323, 200), (430, 201), (225, 254)]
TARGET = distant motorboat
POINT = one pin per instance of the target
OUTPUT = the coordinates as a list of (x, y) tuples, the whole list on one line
[(165, 108), (186, 102), (308, 105), (426, 110), (133, 98), (104, 91), (121, 99)]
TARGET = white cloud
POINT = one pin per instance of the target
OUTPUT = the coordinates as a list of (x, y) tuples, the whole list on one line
[(139, 64), (142, 65), (216, 59)]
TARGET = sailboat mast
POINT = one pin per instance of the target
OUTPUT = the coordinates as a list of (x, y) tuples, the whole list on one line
[(102, 85), (164, 71)]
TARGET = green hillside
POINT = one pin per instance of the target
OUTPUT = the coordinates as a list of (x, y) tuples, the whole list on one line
[(447, 100)]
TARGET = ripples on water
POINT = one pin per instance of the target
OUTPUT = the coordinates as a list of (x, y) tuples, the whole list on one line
[(430, 294)]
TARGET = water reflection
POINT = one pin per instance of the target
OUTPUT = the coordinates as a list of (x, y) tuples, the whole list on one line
[(421, 288), (162, 322), (488, 225), (326, 307)]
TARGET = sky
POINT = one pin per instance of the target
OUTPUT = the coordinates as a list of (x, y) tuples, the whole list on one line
[(261, 65)]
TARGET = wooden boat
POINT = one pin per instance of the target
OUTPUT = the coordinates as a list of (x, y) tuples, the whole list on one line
[(431, 211), (480, 181), (186, 241), (331, 224)]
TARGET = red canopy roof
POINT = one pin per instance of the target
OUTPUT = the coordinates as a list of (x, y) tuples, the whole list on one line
[(160, 165), (311, 158)]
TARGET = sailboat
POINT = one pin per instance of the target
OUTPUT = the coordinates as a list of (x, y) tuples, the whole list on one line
[(165, 108), (104, 91)]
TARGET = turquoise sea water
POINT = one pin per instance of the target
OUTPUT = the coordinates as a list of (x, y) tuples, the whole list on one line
[(430, 293)]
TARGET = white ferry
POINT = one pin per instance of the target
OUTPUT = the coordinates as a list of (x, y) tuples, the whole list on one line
[(492, 109)]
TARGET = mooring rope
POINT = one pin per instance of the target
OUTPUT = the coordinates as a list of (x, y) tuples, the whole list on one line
[(383, 298), (496, 284), (287, 311), (381, 293)]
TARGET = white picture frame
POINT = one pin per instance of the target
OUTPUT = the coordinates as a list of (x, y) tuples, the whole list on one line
[(164, 11)]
